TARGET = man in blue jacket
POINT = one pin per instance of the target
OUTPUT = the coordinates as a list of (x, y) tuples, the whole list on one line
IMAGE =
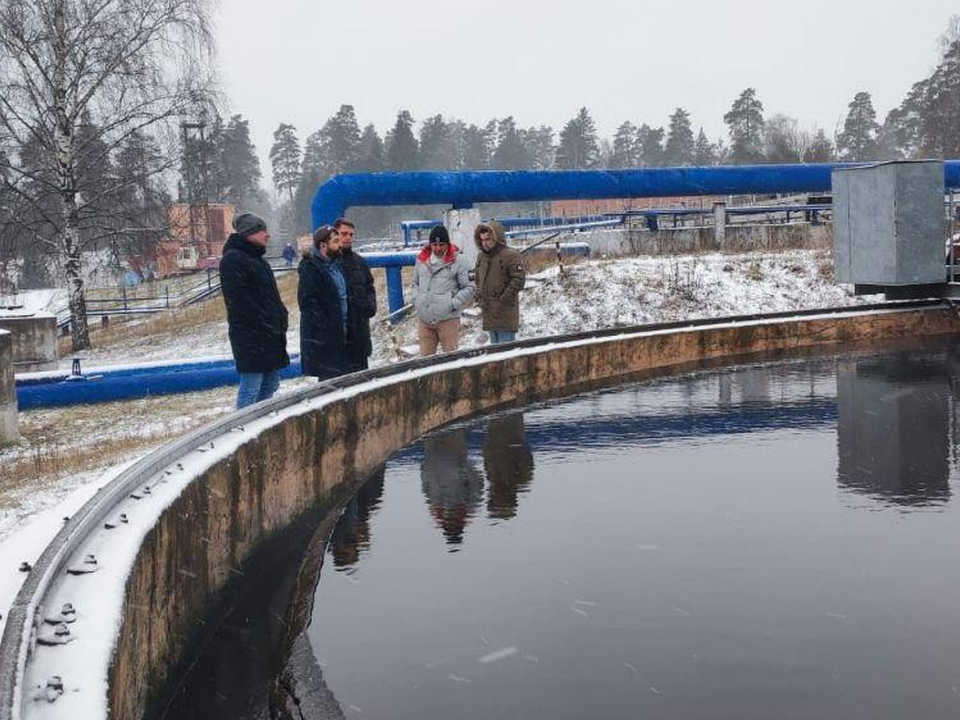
[(256, 316)]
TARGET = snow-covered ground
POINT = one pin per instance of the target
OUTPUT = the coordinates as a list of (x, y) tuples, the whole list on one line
[(587, 295)]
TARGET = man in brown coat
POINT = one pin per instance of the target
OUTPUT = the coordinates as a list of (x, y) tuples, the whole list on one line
[(500, 277)]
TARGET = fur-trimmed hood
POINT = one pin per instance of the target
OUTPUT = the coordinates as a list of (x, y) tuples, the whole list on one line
[(493, 226)]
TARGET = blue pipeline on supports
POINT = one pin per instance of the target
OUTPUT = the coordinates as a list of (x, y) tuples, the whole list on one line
[(393, 262), (462, 188), (407, 226), (129, 383)]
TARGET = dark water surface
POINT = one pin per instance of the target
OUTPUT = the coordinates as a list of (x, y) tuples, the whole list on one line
[(776, 541)]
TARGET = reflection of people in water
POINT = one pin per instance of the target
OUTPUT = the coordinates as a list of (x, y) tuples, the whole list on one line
[(451, 483), (508, 463), (893, 428), (351, 535)]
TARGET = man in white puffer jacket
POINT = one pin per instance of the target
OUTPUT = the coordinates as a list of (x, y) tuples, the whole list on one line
[(441, 281)]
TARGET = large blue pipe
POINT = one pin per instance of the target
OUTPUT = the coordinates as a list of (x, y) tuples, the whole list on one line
[(462, 189)]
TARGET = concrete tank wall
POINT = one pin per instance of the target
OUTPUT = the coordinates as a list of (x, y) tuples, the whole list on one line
[(34, 341), (208, 532), (737, 238), (8, 391)]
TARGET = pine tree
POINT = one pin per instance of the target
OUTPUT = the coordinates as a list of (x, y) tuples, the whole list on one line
[(539, 142), (285, 158), (403, 151), (578, 148), (745, 120), (704, 152), (371, 151), (890, 138), (820, 149), (456, 144), (478, 146), (941, 107), (143, 200), (510, 153), (650, 141), (625, 152), (314, 154), (679, 149), (441, 144), (238, 167), (858, 141), (901, 135), (342, 141)]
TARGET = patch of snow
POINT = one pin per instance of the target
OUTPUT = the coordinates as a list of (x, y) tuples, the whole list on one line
[(32, 302)]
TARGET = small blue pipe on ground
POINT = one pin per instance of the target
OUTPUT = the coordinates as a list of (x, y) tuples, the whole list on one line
[(131, 383)]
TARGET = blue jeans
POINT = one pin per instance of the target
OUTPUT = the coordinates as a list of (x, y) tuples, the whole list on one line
[(255, 387), (501, 336)]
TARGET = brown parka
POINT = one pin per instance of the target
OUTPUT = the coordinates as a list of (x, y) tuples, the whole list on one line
[(500, 278)]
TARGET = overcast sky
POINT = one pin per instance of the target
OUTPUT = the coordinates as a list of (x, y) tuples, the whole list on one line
[(298, 60)]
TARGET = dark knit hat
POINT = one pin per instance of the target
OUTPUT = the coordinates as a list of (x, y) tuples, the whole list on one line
[(247, 224), (439, 234)]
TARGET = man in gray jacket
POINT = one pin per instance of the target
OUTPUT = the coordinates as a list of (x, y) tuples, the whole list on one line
[(441, 281)]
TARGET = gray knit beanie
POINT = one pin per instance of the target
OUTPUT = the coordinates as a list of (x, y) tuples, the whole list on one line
[(246, 224)]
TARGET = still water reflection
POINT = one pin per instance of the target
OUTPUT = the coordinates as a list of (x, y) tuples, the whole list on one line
[(772, 541)]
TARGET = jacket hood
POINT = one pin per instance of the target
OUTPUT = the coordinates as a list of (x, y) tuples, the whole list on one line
[(493, 226), (238, 242), (451, 255)]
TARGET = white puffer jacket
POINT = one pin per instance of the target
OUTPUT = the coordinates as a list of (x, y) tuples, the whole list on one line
[(441, 289)]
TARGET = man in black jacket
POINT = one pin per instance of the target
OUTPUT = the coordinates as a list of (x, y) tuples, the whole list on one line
[(363, 297), (324, 308), (256, 316)]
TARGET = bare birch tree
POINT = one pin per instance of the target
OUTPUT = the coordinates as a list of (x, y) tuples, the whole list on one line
[(79, 79)]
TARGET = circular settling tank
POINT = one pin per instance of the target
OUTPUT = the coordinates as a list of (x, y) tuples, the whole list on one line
[(772, 540)]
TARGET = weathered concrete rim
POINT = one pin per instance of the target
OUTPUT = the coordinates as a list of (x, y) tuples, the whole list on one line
[(24, 614)]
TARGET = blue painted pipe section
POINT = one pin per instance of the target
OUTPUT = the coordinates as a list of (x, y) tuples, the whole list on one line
[(394, 288), (391, 259), (131, 383), (460, 189), (509, 222)]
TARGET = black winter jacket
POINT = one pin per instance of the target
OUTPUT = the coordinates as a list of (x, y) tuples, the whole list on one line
[(323, 346), (256, 316), (361, 307)]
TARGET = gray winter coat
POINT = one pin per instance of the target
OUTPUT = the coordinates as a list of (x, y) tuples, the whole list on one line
[(441, 290)]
